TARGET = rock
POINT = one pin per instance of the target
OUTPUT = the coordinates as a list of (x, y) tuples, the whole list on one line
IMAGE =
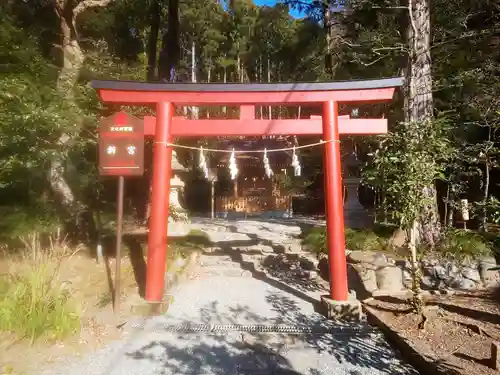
[(463, 283), (293, 246), (490, 278), (266, 249), (471, 274), (428, 282), (368, 258), (390, 278), (259, 248), (407, 279), (398, 239), (309, 275), (307, 264), (323, 269), (367, 276), (428, 262), (441, 272), (488, 260), (276, 262), (427, 271)]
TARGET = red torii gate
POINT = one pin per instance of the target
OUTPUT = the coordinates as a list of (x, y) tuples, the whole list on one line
[(166, 126)]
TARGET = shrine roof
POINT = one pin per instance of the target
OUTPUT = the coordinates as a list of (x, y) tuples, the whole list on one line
[(249, 87)]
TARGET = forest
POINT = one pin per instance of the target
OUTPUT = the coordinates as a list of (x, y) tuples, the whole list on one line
[(439, 157), (443, 141)]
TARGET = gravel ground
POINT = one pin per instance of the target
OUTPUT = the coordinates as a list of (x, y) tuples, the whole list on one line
[(149, 349)]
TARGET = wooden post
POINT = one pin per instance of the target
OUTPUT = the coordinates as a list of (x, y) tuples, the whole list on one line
[(212, 200), (495, 355), (119, 223)]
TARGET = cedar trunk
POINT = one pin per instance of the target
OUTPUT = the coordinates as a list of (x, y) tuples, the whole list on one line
[(419, 102)]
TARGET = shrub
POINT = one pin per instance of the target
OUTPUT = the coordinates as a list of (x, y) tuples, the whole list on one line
[(460, 243), (315, 240), (363, 239), (355, 239)]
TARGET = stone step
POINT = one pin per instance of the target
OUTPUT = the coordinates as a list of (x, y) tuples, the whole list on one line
[(227, 272)]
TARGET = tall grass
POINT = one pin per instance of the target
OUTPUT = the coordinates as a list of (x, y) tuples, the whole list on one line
[(33, 303)]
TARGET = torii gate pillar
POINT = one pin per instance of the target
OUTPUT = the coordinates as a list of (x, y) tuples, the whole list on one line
[(158, 220), (334, 208)]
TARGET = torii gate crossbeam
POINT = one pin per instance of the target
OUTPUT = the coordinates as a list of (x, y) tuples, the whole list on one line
[(166, 125)]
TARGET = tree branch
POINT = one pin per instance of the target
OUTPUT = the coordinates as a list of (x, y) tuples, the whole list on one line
[(86, 4)]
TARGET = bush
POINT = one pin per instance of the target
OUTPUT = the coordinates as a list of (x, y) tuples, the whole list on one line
[(460, 243), (315, 240), (363, 239), (355, 239)]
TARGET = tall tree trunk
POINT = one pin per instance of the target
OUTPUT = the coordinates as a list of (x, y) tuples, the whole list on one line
[(72, 63), (486, 193), (194, 109), (334, 32), (261, 108), (238, 68), (269, 109), (419, 102), (154, 14), (224, 79), (170, 50)]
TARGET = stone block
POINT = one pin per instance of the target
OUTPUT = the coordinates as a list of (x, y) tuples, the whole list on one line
[(390, 279), (489, 277), (349, 310), (368, 258), (308, 264), (366, 276), (145, 308)]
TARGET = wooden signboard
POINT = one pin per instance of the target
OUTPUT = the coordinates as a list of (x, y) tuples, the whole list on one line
[(121, 145)]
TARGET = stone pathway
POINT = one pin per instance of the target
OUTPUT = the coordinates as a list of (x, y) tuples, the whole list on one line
[(232, 306), (227, 320)]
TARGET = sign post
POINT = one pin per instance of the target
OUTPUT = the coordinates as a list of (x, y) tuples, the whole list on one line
[(121, 154)]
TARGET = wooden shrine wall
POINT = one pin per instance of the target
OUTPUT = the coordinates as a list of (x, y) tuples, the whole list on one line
[(255, 194)]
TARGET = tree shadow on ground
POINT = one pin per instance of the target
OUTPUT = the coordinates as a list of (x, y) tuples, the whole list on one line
[(328, 348), (288, 287)]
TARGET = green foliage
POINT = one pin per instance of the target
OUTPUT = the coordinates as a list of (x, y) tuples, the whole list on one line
[(458, 243), (33, 304), (363, 240), (18, 221), (32, 113), (315, 240), (408, 160), (355, 239), (293, 185)]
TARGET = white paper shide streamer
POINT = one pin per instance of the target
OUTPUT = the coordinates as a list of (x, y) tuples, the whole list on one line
[(267, 167), (295, 164), (233, 169), (203, 163)]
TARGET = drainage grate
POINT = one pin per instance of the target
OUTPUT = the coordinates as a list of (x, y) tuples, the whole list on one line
[(258, 328)]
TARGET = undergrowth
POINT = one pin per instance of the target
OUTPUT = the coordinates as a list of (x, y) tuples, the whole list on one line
[(459, 243), (355, 239), (33, 303), (455, 243)]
